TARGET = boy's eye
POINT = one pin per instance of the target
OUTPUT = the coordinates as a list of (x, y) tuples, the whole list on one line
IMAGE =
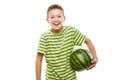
[(51, 17), (59, 16)]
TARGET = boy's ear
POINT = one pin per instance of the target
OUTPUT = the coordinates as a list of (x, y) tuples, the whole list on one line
[(64, 19), (47, 20)]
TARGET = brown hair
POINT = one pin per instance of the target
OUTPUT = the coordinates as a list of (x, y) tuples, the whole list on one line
[(55, 6)]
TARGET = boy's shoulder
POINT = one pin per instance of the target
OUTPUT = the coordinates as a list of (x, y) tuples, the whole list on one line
[(69, 27), (45, 34)]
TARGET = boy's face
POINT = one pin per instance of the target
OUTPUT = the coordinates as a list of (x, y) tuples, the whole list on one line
[(55, 19)]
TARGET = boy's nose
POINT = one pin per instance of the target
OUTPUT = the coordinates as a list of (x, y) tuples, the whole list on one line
[(56, 19)]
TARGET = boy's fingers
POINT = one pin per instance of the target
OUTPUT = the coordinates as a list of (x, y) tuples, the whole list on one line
[(94, 61), (90, 67), (93, 64)]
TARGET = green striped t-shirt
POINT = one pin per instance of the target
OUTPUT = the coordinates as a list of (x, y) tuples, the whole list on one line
[(57, 48)]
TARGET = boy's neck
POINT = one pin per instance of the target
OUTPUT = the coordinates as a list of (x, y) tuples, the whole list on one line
[(56, 31)]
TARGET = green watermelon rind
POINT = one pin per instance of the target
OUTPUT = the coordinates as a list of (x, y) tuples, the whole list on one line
[(88, 59), (82, 64), (73, 62), (88, 55), (80, 60)]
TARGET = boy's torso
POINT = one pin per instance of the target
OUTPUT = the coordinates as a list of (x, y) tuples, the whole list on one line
[(59, 48)]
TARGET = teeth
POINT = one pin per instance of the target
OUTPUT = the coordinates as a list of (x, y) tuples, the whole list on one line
[(56, 24)]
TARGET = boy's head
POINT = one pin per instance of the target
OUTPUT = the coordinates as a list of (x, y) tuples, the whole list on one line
[(54, 6), (55, 17)]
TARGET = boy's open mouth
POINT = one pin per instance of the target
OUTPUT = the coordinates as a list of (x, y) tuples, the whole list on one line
[(56, 24)]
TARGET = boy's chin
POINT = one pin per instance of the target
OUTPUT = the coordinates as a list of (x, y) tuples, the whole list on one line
[(57, 27)]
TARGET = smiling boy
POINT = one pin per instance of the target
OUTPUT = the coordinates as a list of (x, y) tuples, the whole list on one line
[(57, 44)]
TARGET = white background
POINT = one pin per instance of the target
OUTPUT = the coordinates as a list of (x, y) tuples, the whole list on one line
[(23, 21)]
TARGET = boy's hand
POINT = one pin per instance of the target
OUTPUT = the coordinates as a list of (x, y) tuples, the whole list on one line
[(93, 63)]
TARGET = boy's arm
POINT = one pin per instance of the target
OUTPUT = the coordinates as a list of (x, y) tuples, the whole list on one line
[(39, 58), (93, 51)]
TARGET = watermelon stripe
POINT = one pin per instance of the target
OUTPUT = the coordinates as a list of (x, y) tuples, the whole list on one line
[(87, 58), (76, 62), (73, 61), (81, 60)]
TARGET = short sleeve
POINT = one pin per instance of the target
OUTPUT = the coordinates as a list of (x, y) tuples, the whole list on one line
[(42, 45), (79, 38)]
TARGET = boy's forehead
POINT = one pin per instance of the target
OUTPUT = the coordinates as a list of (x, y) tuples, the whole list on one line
[(55, 11)]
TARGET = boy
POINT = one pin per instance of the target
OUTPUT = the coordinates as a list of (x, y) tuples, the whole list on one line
[(57, 44)]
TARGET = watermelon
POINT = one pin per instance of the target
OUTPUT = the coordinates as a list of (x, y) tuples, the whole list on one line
[(80, 59)]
